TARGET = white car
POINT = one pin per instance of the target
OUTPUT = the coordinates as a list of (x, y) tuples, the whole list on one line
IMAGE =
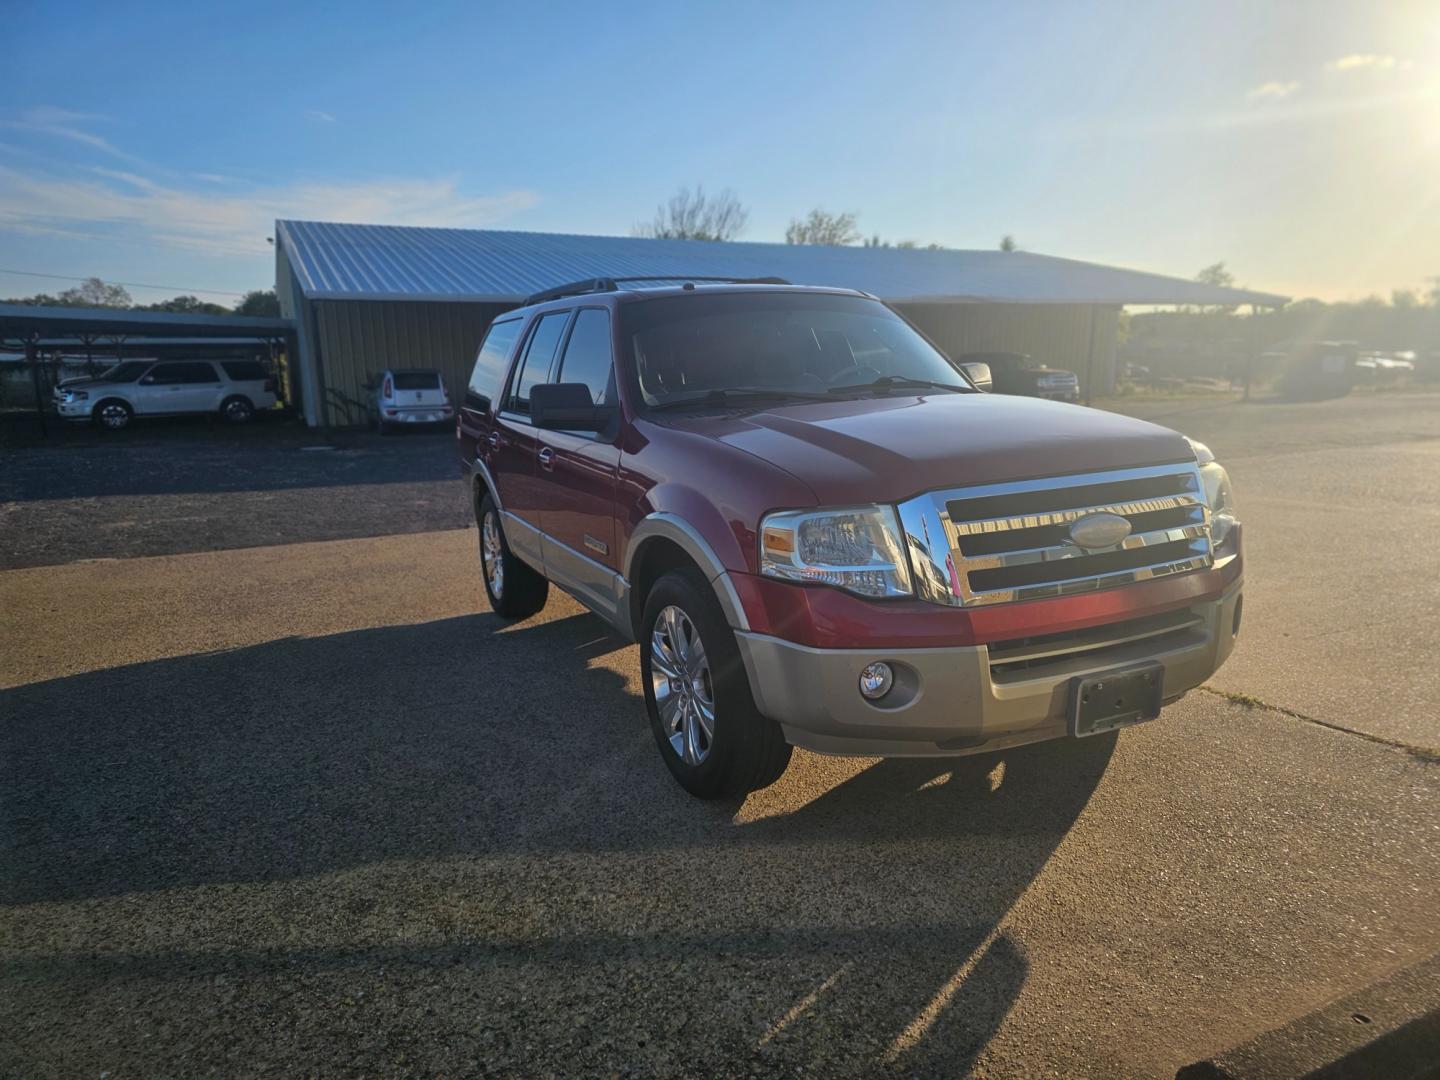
[(235, 389), (409, 396)]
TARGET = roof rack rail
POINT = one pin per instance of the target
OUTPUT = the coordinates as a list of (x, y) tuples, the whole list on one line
[(612, 284)]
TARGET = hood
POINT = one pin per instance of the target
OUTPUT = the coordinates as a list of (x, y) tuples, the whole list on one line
[(84, 380), (889, 448)]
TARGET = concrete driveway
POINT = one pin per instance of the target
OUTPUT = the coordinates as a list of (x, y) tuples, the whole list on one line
[(308, 807)]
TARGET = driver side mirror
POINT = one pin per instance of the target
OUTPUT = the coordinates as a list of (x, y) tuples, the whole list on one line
[(147, 380), (566, 407), (979, 374)]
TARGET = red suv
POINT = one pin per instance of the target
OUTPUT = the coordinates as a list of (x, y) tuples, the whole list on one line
[(823, 535)]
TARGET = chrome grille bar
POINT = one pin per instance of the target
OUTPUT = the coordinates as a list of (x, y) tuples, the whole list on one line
[(1035, 566), (1026, 556), (1064, 517)]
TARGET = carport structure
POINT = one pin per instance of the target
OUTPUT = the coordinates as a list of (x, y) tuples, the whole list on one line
[(365, 297), (116, 333)]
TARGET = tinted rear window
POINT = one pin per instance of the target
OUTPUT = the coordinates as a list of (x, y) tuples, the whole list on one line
[(417, 380), (245, 370), (491, 363)]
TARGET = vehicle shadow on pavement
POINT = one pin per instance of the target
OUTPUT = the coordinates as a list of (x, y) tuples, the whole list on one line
[(497, 787)]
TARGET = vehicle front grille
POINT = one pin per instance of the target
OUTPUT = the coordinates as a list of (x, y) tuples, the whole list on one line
[(1011, 542)]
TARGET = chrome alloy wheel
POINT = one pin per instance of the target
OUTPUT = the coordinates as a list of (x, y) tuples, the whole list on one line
[(492, 555), (237, 411), (680, 678), (114, 416)]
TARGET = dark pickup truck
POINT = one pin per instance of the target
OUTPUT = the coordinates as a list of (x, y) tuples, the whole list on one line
[(823, 535), (1016, 373)]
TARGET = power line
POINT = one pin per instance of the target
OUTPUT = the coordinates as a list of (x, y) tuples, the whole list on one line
[(128, 284)]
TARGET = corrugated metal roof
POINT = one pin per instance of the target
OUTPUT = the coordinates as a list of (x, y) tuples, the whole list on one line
[(387, 262)]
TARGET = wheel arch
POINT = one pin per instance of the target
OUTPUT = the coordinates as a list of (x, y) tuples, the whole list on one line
[(664, 542), (482, 484)]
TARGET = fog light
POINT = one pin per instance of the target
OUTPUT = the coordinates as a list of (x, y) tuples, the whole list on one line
[(876, 680)]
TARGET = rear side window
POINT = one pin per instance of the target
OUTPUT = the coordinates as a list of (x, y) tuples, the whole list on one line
[(245, 370), (417, 380), (491, 363), (588, 357), (539, 355)]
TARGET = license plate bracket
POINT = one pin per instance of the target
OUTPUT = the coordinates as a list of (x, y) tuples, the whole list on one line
[(1116, 699)]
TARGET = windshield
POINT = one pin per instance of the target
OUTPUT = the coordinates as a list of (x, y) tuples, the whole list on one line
[(128, 371), (702, 348)]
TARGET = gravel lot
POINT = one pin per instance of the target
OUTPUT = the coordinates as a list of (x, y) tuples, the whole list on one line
[(280, 795)]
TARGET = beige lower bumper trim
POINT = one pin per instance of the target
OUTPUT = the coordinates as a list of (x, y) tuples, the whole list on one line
[(950, 703)]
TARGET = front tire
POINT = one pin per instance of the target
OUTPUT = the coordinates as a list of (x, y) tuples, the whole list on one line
[(112, 414), (512, 587), (714, 740)]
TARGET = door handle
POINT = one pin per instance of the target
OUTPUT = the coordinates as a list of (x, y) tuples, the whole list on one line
[(494, 440), (547, 458)]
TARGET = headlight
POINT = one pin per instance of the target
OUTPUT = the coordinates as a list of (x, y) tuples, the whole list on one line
[(1220, 501), (73, 395), (857, 549)]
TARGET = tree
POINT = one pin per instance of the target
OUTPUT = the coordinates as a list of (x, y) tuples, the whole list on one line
[(1216, 275), (1007, 243), (185, 305), (697, 216), (822, 227), (259, 302), (93, 292), (38, 300), (904, 245)]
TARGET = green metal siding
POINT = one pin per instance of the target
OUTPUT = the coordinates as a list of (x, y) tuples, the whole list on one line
[(1058, 334), (357, 339)]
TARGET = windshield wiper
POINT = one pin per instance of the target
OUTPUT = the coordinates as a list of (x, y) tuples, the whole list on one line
[(732, 395), (891, 382)]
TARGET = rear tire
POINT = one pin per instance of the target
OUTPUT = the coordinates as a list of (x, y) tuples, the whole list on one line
[(714, 740), (237, 410), (112, 414), (513, 588)]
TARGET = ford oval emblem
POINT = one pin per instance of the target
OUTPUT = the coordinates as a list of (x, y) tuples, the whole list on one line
[(1095, 532)]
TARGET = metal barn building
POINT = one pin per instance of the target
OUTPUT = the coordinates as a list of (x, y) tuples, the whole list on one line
[(364, 297)]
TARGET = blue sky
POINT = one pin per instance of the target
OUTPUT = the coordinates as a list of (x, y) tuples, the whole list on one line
[(1298, 142)]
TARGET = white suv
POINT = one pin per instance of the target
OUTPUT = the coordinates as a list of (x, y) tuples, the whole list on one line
[(404, 396), (235, 389)]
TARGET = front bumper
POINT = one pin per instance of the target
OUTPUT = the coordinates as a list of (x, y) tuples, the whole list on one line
[(961, 700), (74, 410)]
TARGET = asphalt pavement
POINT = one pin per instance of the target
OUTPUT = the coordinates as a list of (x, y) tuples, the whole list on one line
[(307, 807)]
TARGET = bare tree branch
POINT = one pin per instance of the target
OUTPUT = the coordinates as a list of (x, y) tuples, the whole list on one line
[(697, 216)]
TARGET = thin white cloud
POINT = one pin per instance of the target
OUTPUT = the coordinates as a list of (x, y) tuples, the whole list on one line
[(1272, 91), (320, 116), (130, 208), (1359, 61), (57, 123)]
